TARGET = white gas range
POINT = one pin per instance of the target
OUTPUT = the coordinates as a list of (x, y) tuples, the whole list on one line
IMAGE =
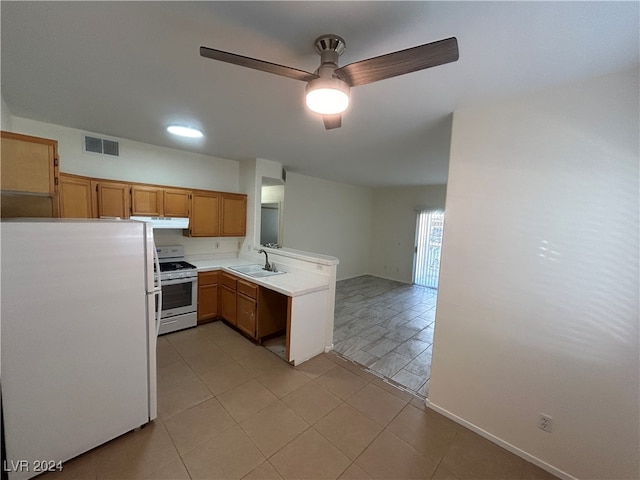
[(179, 282)]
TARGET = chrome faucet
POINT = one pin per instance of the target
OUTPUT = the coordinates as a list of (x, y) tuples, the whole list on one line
[(267, 265)]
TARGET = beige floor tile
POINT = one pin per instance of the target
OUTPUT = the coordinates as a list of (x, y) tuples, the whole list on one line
[(135, 454), (80, 468), (208, 360), (361, 371), (264, 471), (174, 470), (246, 399), (273, 427), (443, 473), (427, 431), (166, 354), (198, 424), (230, 455), (310, 456), (283, 381), (180, 396), (471, 457), (354, 472), (174, 372), (349, 430), (317, 365), (225, 377), (388, 387), (390, 457), (341, 382), (532, 472), (189, 343), (377, 404), (237, 346), (259, 360), (311, 402)]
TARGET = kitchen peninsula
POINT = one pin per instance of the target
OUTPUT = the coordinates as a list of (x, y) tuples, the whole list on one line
[(299, 301)]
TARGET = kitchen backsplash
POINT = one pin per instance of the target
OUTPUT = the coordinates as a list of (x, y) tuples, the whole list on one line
[(216, 246)]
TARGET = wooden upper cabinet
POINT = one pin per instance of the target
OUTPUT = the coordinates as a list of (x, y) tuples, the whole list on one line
[(177, 203), (111, 199), (147, 201), (233, 215), (29, 164), (74, 196), (204, 220)]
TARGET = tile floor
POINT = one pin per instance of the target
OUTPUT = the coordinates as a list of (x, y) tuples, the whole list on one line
[(387, 326), (230, 409)]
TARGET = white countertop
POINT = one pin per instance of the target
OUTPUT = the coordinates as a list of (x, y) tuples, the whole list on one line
[(289, 283)]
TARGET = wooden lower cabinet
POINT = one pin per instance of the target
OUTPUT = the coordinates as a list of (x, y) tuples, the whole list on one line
[(246, 307), (208, 292), (228, 294), (255, 310)]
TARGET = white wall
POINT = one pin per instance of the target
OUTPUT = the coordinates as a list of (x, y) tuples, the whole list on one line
[(329, 218), (138, 162), (5, 116), (141, 162), (393, 229), (538, 302)]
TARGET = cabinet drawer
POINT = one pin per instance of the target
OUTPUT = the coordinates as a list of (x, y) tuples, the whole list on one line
[(248, 289), (228, 280), (208, 278)]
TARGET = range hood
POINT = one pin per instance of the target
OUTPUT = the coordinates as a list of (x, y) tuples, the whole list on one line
[(164, 222)]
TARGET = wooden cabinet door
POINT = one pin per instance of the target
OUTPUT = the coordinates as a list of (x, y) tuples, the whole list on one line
[(204, 220), (233, 215), (111, 199), (29, 164), (246, 314), (208, 292), (74, 196), (228, 304), (177, 203), (147, 201)]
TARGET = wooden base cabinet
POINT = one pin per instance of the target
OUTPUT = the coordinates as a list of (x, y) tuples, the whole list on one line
[(228, 294), (246, 310), (208, 292)]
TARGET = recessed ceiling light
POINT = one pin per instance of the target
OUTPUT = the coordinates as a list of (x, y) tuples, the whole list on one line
[(184, 131)]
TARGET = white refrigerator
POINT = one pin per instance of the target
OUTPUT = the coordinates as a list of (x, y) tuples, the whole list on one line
[(78, 337)]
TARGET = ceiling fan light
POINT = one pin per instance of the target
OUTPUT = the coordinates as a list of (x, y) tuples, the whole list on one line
[(327, 96), (184, 131)]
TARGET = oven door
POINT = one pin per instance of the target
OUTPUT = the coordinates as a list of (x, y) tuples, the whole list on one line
[(179, 296)]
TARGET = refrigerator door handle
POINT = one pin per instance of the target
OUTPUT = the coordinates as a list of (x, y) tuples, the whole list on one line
[(158, 293)]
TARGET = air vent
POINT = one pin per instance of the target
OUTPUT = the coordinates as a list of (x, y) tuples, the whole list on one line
[(101, 146)]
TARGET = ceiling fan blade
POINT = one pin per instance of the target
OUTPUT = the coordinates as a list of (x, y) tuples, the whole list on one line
[(257, 64), (332, 121), (399, 63)]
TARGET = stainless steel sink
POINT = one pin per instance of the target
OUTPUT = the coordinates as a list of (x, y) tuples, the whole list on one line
[(254, 270)]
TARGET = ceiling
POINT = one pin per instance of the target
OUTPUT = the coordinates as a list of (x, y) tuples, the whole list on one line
[(127, 69)]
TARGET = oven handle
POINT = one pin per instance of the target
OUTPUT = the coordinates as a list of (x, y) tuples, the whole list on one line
[(175, 281)]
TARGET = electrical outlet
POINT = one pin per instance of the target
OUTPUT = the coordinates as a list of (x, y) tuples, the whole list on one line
[(545, 422)]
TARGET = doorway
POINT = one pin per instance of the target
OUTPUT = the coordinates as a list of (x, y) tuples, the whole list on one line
[(426, 265)]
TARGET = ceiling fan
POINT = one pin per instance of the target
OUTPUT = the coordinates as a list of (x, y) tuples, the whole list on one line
[(327, 90)]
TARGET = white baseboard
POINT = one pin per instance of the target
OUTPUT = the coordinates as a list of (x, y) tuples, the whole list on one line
[(498, 441)]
